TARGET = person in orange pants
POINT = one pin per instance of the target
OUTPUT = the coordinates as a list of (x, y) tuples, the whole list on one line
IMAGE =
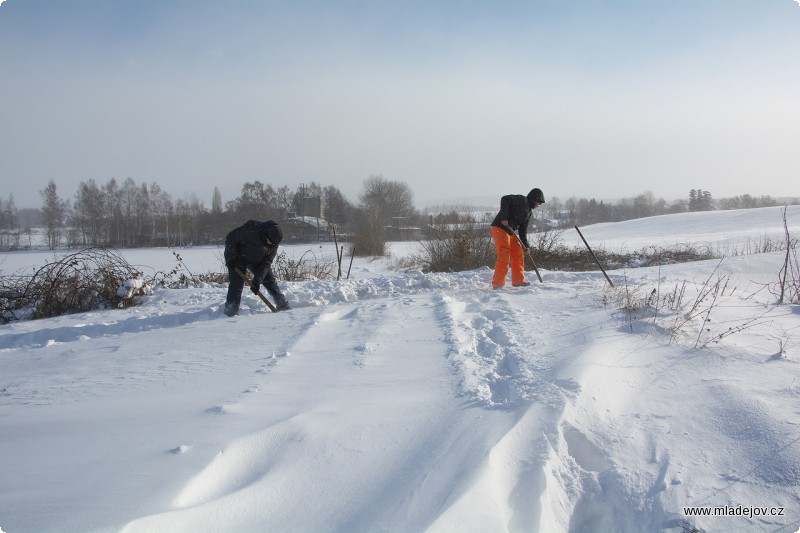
[(514, 215)]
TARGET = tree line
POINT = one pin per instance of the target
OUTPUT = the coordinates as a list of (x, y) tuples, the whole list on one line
[(129, 215), (582, 211)]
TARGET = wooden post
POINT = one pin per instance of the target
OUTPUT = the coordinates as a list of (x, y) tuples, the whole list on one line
[(338, 257), (352, 255)]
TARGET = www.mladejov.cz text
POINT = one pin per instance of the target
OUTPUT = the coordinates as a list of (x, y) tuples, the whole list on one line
[(748, 511)]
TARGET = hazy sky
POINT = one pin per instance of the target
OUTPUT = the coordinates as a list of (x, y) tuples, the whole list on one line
[(457, 98)]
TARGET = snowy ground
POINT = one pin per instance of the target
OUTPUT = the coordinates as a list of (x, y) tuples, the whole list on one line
[(412, 402)]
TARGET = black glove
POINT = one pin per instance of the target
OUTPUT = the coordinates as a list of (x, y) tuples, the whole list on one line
[(255, 286)]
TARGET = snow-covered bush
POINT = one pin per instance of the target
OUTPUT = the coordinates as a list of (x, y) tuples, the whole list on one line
[(72, 283), (133, 287)]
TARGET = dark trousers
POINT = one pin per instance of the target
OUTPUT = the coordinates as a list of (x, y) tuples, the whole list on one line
[(236, 285), (234, 298)]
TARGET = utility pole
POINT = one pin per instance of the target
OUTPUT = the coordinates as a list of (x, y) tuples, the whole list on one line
[(303, 209)]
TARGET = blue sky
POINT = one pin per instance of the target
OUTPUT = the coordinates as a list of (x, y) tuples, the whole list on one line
[(458, 99)]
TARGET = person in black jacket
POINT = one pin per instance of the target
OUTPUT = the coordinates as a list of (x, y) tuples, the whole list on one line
[(515, 213), (252, 246)]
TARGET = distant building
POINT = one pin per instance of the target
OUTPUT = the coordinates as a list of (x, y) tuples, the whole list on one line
[(310, 229), (401, 231), (311, 206)]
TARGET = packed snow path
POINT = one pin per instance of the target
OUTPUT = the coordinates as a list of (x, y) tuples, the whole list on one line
[(414, 402)]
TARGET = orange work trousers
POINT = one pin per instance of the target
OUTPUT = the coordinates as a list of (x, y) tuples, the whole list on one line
[(509, 251)]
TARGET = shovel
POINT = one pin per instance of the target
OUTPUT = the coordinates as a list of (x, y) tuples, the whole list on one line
[(260, 294)]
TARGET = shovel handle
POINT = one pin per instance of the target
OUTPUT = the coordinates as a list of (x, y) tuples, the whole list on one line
[(528, 252), (260, 294)]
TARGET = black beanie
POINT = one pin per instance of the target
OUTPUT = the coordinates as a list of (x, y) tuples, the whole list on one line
[(273, 232), (535, 195)]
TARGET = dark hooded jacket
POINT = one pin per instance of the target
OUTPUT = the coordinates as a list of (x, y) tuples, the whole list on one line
[(517, 210), (246, 246)]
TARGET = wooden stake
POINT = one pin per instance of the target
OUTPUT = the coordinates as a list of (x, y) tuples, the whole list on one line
[(352, 255), (594, 256), (338, 257)]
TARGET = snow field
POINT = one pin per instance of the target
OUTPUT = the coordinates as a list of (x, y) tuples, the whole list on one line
[(409, 401)]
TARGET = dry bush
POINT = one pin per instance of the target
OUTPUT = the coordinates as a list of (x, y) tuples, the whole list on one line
[(180, 277), (456, 247), (684, 310), (285, 269), (680, 253), (556, 256), (788, 286), (701, 311), (762, 245), (73, 283), (303, 269), (370, 237), (545, 241), (634, 302), (468, 245)]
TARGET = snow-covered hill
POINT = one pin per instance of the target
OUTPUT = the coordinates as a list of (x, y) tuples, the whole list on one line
[(418, 402)]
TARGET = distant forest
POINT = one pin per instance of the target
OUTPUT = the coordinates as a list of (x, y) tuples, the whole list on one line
[(130, 215)]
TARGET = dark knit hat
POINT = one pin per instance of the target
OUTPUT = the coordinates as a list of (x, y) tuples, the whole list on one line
[(535, 195), (272, 231)]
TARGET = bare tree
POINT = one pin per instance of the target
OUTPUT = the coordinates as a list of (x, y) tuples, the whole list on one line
[(189, 215), (215, 221), (9, 232), (370, 234), (256, 201), (386, 199), (643, 205), (284, 201), (128, 202), (54, 213), (89, 215), (161, 213), (216, 202), (380, 201), (337, 208), (112, 199)]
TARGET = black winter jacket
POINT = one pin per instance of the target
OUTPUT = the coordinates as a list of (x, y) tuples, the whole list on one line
[(516, 209), (245, 247)]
